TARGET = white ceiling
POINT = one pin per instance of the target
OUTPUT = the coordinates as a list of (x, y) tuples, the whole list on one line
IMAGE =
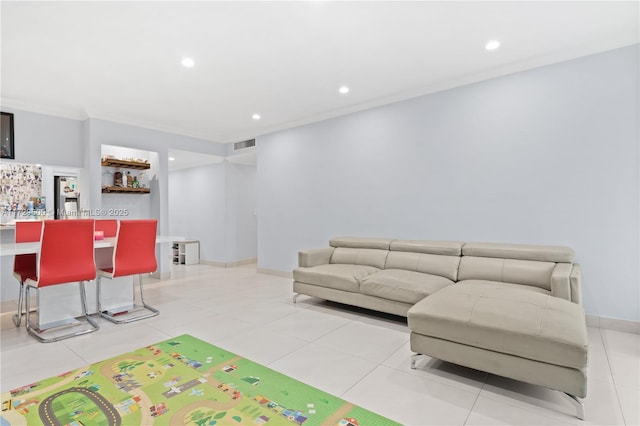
[(180, 160), (285, 60)]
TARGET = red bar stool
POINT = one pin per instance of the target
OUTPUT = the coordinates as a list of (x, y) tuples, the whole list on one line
[(66, 255), (109, 227), (24, 265), (134, 254)]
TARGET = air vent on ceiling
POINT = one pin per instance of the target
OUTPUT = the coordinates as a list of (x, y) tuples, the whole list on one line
[(244, 144)]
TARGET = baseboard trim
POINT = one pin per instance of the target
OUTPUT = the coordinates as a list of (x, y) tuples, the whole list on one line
[(242, 262), (9, 306), (615, 324), (276, 272), (213, 263), (229, 264)]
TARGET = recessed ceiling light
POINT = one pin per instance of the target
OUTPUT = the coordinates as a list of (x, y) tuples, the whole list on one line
[(492, 45), (188, 62), (343, 90), (256, 116), (172, 159)]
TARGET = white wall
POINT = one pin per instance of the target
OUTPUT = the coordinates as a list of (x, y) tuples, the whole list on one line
[(197, 208), (546, 156), (215, 204), (241, 212)]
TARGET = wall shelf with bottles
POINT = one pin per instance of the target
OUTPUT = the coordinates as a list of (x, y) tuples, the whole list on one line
[(120, 182), (126, 164), (121, 189)]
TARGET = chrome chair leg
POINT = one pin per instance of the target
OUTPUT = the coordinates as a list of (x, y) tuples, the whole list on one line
[(577, 403), (38, 335), (83, 301), (150, 308), (152, 311), (17, 318), (98, 296), (295, 297)]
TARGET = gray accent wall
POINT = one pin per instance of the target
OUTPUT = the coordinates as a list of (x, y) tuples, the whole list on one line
[(545, 156)]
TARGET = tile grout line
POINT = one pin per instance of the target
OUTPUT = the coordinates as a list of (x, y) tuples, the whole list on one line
[(76, 354), (307, 343), (527, 408), (380, 364), (613, 378), (475, 400), (331, 331)]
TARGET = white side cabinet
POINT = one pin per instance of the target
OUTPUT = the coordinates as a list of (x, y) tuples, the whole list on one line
[(186, 252)]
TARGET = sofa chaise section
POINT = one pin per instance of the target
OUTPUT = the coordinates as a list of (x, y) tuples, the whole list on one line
[(512, 312)]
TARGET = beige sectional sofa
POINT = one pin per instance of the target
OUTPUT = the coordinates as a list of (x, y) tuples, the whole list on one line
[(511, 310)]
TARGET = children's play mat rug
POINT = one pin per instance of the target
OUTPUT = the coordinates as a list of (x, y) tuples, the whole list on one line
[(179, 381)]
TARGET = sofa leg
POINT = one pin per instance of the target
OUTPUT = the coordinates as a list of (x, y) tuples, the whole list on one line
[(577, 403), (414, 359), (295, 297)]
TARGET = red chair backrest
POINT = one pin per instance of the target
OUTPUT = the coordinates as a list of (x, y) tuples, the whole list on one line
[(26, 232), (108, 226), (135, 251), (66, 252)]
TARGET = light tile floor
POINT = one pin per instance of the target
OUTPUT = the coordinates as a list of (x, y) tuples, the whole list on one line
[(356, 354)]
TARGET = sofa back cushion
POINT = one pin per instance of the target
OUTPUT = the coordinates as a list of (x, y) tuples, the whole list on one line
[(520, 251), (360, 242), (360, 256), (529, 272), (447, 248), (444, 266)]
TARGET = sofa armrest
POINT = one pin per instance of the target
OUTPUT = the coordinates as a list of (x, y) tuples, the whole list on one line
[(561, 281), (576, 284), (315, 257)]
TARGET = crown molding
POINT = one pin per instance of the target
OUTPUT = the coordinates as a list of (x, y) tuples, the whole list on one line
[(513, 68), (53, 110), (115, 118)]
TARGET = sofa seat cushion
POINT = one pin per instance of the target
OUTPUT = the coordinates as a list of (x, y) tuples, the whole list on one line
[(507, 319), (339, 276), (402, 286)]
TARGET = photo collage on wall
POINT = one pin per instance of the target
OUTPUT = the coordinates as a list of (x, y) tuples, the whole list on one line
[(21, 188)]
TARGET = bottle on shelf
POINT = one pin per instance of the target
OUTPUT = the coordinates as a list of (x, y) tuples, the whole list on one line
[(117, 178), (129, 180)]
